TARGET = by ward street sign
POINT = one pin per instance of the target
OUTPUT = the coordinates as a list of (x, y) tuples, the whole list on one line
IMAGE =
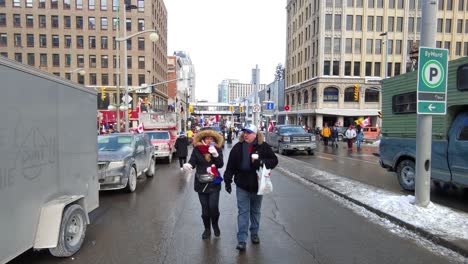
[(432, 81)]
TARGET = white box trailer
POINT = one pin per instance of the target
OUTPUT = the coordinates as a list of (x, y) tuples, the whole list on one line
[(48, 161)]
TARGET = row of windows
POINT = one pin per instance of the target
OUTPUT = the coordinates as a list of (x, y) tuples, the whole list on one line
[(354, 68), (67, 22), (67, 4), (80, 60), (67, 41), (330, 94)]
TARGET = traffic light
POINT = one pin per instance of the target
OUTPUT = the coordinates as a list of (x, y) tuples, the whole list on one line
[(356, 92), (190, 109), (380, 114), (231, 108), (103, 93), (241, 108)]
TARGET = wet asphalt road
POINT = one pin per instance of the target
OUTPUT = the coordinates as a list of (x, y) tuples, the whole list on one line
[(161, 223), (363, 166)]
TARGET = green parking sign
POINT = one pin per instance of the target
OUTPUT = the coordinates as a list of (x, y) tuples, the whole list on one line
[(432, 81)]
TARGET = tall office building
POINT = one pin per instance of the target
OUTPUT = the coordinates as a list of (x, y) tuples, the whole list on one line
[(255, 75), (334, 45), (75, 39)]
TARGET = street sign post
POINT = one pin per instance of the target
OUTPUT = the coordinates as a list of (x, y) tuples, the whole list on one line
[(269, 108), (256, 108), (432, 81)]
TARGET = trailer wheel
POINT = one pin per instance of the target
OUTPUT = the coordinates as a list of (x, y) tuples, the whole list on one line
[(72, 232), (132, 180), (151, 169), (406, 173)]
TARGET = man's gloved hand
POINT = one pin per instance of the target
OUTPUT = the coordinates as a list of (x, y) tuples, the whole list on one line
[(212, 150), (228, 188), (187, 167)]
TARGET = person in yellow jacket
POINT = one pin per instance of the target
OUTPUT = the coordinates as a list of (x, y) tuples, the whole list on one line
[(326, 133)]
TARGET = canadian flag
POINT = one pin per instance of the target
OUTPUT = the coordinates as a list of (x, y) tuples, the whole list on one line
[(141, 128), (271, 127), (365, 122)]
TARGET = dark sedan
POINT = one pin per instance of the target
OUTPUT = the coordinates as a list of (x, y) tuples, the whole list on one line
[(122, 158)]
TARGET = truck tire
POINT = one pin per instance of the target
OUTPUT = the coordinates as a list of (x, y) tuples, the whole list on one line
[(132, 180), (406, 173), (72, 231), (151, 168)]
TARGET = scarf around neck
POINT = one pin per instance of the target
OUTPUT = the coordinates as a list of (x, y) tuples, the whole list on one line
[(204, 151)]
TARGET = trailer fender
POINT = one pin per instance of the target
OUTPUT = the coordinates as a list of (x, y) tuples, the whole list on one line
[(50, 220)]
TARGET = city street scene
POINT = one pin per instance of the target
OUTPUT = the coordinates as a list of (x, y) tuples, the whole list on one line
[(293, 131)]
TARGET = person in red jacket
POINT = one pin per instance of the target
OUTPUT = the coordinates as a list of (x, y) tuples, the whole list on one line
[(245, 159)]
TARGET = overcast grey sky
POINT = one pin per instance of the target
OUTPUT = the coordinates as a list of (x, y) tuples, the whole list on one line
[(227, 38)]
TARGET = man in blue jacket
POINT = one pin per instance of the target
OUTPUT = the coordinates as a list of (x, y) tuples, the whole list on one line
[(245, 158)]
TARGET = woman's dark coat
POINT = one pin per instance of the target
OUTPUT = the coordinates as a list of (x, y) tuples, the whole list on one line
[(181, 145)]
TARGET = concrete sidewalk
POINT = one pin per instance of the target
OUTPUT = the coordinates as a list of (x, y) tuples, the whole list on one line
[(440, 229)]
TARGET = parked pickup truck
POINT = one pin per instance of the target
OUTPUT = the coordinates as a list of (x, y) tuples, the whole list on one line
[(290, 138), (449, 132)]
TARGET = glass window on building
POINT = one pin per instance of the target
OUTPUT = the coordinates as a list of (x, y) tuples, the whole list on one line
[(105, 61), (370, 23), (42, 21), (141, 24), (459, 26), (397, 69), (350, 3), (369, 46), (79, 42), (349, 22), (141, 43), (389, 69), (465, 49), (357, 68), (129, 62), (54, 20), (66, 4), (410, 24), (330, 94), (92, 79), (336, 45), (368, 68), (401, 4), (358, 26), (141, 79), (92, 42), (103, 5), (450, 4), (129, 44), (43, 60), (129, 24), (68, 41), (67, 22), (54, 4), (141, 62), (91, 4), (327, 46), (29, 3), (358, 3), (115, 22), (349, 94), (55, 41), (79, 22), (19, 57), (398, 46), (439, 44), (31, 59), (391, 3), (80, 60), (379, 24), (379, 3), (79, 4), (357, 46), (378, 46), (349, 46), (16, 3), (105, 79), (17, 39), (68, 76), (391, 24), (458, 48), (447, 46), (104, 42), (326, 67), (81, 78), (376, 68), (29, 21), (448, 25), (130, 79), (30, 40), (92, 61), (3, 40), (328, 22), (16, 20), (56, 60), (337, 22), (399, 25), (91, 23), (336, 68), (42, 41), (439, 25), (141, 5), (347, 68), (104, 24), (371, 96), (390, 46), (370, 3)]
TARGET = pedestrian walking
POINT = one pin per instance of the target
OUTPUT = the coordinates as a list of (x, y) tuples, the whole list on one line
[(181, 146), (245, 159), (236, 131), (334, 135), (326, 134), (207, 158), (229, 135), (359, 137), (189, 135), (350, 135)]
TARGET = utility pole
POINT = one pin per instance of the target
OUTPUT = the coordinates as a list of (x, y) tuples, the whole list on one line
[(424, 125), (257, 78)]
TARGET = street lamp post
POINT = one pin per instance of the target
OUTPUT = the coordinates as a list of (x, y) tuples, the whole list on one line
[(386, 54), (81, 71), (153, 37)]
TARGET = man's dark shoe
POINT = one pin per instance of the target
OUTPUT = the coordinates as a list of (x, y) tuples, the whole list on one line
[(241, 246), (206, 234), (216, 230), (255, 239)]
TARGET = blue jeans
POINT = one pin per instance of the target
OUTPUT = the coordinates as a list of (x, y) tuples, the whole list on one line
[(249, 206), (358, 142)]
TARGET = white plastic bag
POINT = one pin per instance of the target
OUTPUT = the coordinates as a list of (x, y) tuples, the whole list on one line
[(264, 182)]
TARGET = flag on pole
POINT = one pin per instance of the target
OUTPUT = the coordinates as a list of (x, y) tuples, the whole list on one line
[(365, 122), (271, 126)]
